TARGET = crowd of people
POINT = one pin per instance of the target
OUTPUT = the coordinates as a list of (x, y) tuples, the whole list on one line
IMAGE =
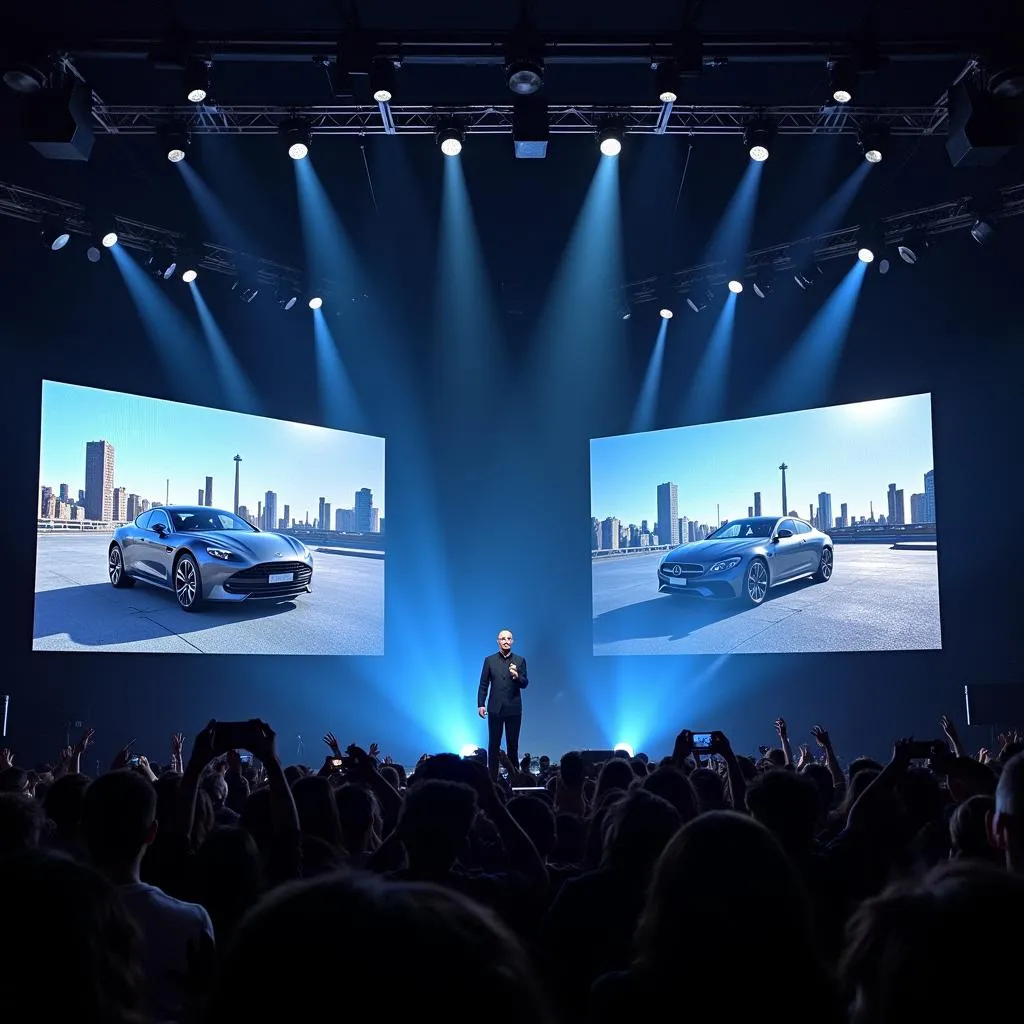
[(225, 885)]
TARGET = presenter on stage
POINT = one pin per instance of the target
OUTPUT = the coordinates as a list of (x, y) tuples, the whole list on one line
[(499, 699)]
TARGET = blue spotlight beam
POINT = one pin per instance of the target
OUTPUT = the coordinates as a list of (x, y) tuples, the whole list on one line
[(174, 339), (577, 331), (223, 226), (732, 235), (831, 213), (464, 313), (645, 410), (706, 398), (806, 374), (339, 402), (239, 391)]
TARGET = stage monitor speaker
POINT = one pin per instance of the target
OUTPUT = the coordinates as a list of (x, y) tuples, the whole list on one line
[(592, 757), (995, 705)]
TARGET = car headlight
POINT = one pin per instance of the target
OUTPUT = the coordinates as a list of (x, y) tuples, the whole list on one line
[(219, 553), (725, 564)]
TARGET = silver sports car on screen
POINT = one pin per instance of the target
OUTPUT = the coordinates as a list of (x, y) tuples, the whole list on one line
[(207, 554), (746, 558)]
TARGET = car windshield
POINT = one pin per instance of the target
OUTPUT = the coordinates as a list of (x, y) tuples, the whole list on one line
[(759, 526), (193, 520)]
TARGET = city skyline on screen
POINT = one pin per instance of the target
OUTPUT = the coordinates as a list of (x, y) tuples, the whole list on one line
[(155, 440), (852, 452)]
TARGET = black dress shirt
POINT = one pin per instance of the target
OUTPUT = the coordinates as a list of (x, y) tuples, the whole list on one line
[(505, 697)]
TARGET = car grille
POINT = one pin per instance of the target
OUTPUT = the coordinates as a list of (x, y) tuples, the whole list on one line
[(255, 581), (685, 569)]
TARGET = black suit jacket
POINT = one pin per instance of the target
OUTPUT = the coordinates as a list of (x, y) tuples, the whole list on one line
[(505, 692)]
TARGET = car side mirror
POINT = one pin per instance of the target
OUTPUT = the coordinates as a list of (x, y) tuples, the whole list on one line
[(783, 535), (159, 529)]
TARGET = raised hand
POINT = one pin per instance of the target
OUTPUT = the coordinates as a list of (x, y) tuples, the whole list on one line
[(374, 751), (332, 742), (177, 743), (805, 756), (684, 746), (720, 743), (984, 755), (902, 749), (86, 739), (265, 739), (6, 758), (782, 729), (820, 734), (122, 757)]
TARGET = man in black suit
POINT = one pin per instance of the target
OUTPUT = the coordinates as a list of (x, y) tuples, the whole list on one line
[(504, 675)]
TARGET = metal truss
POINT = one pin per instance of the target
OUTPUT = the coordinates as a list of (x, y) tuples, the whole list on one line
[(799, 255), (674, 119), (806, 253)]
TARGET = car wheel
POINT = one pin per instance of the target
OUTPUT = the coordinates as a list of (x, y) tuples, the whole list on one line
[(119, 579), (825, 565), (188, 588), (756, 582)]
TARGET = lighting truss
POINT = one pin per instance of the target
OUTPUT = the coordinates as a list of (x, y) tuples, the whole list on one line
[(134, 119), (928, 221)]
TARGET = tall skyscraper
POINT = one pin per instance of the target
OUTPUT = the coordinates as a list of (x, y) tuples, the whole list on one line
[(270, 510), (785, 499), (684, 529), (844, 514), (757, 503), (374, 520), (320, 524), (327, 516), (810, 514), (134, 506), (891, 505), (238, 462), (918, 509), (595, 533), (750, 511), (668, 514), (209, 490), (46, 498), (64, 492), (260, 525), (364, 510), (824, 511), (120, 504), (901, 510), (99, 481), (929, 496), (287, 517), (610, 534), (200, 496)]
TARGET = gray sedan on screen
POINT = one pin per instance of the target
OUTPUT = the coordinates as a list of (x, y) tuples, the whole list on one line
[(206, 554), (745, 558)]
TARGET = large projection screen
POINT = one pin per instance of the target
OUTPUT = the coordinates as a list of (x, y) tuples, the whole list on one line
[(171, 528), (808, 531)]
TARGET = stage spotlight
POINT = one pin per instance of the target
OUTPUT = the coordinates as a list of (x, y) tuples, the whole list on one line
[(287, 297), (912, 248), (866, 255), (883, 266), (176, 141), (162, 264), (197, 80), (757, 138), (806, 280), (54, 234), (763, 285), (735, 286), (524, 76), (625, 748), (666, 313), (666, 79), (93, 254), (382, 80), (843, 78), (872, 143), (982, 230), (449, 137), (190, 275), (468, 750), (609, 137), (297, 138), (316, 302), (109, 239), (699, 302)]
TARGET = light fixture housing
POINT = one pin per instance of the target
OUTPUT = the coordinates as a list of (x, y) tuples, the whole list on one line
[(54, 234), (316, 302), (872, 142), (665, 313), (666, 81), (610, 133), (758, 140), (297, 137), (450, 137), (197, 80), (382, 80), (176, 141), (842, 80), (735, 286)]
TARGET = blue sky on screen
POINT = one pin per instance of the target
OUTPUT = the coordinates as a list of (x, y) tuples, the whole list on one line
[(156, 440), (852, 452)]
